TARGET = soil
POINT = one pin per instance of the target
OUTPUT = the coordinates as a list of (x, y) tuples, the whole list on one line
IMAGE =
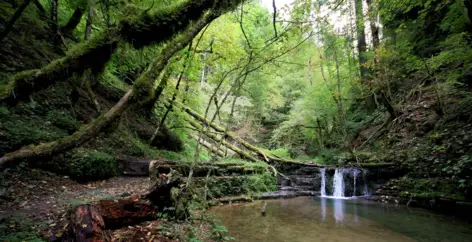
[(45, 198)]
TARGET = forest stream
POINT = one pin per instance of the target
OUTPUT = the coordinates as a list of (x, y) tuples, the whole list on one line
[(184, 120), (327, 219)]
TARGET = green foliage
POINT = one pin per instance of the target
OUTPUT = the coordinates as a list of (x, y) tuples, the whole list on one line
[(19, 129), (255, 184), (241, 162), (220, 233), (281, 153)]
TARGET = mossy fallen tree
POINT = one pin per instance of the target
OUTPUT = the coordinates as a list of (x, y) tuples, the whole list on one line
[(210, 147), (138, 27), (258, 151), (141, 93), (217, 139)]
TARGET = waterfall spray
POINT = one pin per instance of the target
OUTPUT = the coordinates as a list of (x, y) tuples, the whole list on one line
[(338, 182), (323, 182), (366, 188), (355, 173)]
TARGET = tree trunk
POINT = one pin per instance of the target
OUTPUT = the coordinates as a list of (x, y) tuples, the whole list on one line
[(338, 96), (69, 142), (40, 7), (88, 25), (210, 147), (373, 26), (54, 6), (14, 18), (93, 54), (142, 89), (174, 96), (361, 43), (217, 139), (74, 20), (160, 88), (361, 49), (86, 224), (266, 157), (320, 133)]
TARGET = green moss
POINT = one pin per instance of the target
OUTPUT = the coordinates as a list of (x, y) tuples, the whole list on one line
[(371, 165), (17, 130), (85, 165), (237, 185), (240, 162), (19, 228), (424, 188)]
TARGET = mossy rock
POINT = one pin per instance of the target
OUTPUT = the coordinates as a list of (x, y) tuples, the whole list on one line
[(84, 165), (223, 186)]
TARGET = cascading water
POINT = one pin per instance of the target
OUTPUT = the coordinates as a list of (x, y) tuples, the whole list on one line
[(366, 188), (323, 182), (338, 183), (355, 174)]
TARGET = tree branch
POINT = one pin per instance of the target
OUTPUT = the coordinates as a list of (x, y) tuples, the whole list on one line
[(141, 93), (137, 29), (14, 18)]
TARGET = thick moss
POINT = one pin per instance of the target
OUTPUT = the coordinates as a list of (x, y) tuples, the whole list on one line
[(85, 165), (236, 185)]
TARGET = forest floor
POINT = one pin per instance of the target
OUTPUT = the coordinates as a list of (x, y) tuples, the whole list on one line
[(36, 202), (35, 206)]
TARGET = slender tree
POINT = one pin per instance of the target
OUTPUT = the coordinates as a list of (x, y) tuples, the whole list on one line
[(88, 24), (14, 18)]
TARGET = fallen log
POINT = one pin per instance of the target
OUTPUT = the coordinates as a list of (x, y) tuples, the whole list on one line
[(142, 29), (217, 139), (86, 225), (260, 153), (209, 146), (124, 212), (139, 95)]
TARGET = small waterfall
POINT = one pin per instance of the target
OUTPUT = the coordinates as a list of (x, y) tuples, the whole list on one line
[(323, 182), (355, 173), (366, 188), (339, 185), (338, 182)]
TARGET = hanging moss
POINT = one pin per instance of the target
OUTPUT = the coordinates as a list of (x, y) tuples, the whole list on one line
[(140, 30), (150, 28), (93, 55)]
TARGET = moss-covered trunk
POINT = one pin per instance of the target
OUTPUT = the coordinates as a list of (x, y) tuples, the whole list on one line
[(141, 94)]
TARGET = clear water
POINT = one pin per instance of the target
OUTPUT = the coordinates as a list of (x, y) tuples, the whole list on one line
[(324, 219)]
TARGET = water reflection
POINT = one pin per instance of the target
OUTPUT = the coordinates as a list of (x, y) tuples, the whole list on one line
[(303, 219), (338, 210), (356, 219), (323, 209)]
